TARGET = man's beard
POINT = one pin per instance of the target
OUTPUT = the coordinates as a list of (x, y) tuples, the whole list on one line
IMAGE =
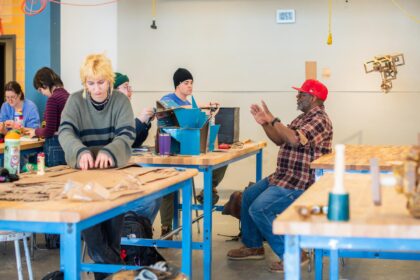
[(303, 105)]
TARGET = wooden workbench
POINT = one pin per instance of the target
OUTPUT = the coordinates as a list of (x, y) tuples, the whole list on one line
[(207, 163), (67, 211), (69, 219), (385, 228), (358, 156), (390, 220), (212, 158)]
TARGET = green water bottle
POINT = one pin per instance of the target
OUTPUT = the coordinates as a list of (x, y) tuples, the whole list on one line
[(12, 152)]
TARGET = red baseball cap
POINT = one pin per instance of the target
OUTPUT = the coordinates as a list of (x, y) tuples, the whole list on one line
[(315, 88)]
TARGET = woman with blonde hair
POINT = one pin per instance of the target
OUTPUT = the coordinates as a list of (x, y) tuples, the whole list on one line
[(97, 131)]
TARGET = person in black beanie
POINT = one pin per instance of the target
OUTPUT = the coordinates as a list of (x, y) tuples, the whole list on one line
[(183, 83), (180, 75)]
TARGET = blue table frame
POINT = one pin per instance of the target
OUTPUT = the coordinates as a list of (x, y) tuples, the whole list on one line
[(207, 170), (383, 232), (335, 245), (372, 253), (70, 233)]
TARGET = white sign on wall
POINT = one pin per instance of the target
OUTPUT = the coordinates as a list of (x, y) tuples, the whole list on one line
[(285, 16)]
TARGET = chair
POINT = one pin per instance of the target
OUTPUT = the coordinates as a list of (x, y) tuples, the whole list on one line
[(16, 236)]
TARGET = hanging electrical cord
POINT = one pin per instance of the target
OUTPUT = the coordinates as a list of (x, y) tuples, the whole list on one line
[(29, 9), (27, 6), (153, 26), (410, 16), (329, 40)]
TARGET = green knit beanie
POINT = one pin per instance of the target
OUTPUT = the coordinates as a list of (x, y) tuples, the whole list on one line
[(120, 79)]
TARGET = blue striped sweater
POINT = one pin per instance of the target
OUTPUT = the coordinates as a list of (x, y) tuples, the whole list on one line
[(84, 129)]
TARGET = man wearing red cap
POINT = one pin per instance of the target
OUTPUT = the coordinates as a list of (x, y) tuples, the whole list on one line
[(305, 139)]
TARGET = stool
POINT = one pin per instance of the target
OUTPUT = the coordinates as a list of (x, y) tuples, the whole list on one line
[(16, 236)]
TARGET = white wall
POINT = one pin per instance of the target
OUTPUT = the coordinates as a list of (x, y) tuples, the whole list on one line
[(239, 55), (86, 30)]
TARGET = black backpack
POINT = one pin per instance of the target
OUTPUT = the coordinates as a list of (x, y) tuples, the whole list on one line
[(55, 275), (52, 241), (136, 226)]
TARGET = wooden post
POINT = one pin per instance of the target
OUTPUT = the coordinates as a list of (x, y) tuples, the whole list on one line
[(310, 70), (376, 185)]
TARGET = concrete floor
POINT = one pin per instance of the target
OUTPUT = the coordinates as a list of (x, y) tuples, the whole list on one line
[(360, 269)]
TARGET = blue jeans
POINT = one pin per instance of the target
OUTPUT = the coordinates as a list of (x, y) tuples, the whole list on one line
[(54, 154), (148, 208), (261, 203)]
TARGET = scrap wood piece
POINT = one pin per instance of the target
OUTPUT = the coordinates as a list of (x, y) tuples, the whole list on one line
[(136, 170), (158, 175), (30, 191), (26, 198)]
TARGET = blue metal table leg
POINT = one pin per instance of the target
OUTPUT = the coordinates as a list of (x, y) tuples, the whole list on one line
[(187, 229), (175, 223), (334, 264), (291, 259), (62, 253), (71, 256), (207, 238), (258, 175), (318, 263), (318, 174)]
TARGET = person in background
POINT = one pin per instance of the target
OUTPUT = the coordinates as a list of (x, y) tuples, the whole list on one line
[(305, 139), (149, 207), (49, 84), (122, 84), (17, 111), (97, 131), (183, 83)]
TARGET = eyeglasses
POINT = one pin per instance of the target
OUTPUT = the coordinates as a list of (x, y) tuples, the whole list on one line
[(126, 87), (13, 97)]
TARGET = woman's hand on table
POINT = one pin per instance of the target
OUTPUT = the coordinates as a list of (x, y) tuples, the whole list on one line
[(30, 132), (86, 161), (103, 160), (9, 124)]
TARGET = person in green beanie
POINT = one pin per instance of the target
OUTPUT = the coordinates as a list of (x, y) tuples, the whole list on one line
[(150, 207), (122, 84)]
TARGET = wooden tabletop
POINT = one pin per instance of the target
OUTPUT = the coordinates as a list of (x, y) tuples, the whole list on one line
[(70, 211), (26, 145), (358, 156), (212, 158), (390, 220)]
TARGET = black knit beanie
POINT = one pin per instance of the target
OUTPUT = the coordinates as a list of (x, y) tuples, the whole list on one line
[(181, 75)]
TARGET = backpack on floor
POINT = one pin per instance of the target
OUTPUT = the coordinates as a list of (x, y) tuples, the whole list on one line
[(136, 226), (55, 275), (52, 241)]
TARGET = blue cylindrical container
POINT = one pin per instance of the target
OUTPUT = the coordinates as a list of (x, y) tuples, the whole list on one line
[(338, 207)]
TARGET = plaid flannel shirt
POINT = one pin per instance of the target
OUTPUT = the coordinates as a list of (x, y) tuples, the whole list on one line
[(315, 132)]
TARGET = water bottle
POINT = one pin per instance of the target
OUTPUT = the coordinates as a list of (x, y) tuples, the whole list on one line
[(12, 152)]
